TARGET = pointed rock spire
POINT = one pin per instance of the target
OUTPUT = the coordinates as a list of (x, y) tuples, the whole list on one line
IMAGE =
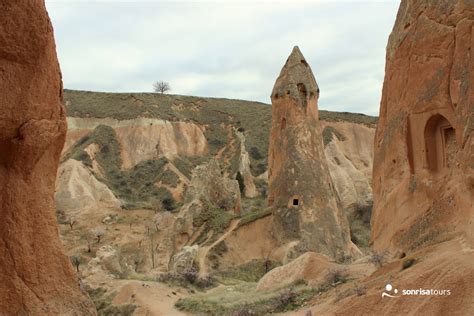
[(296, 79)]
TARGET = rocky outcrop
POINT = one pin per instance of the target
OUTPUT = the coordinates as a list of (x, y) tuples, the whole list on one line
[(36, 278), (208, 190), (78, 189), (349, 153), (310, 267), (145, 138), (209, 186), (301, 191), (184, 260), (424, 147)]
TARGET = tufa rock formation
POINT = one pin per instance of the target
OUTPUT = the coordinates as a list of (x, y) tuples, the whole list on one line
[(77, 189), (424, 148), (36, 278), (301, 191), (208, 189)]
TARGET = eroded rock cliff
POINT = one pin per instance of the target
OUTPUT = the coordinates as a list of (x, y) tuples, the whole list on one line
[(36, 278)]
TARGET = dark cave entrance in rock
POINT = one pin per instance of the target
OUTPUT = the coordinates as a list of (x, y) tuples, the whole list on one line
[(296, 202), (440, 142)]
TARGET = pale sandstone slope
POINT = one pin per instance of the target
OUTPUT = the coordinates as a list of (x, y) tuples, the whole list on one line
[(350, 163), (77, 189), (145, 138)]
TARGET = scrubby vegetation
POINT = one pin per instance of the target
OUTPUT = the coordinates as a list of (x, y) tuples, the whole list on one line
[(254, 215), (379, 258), (136, 186), (328, 133), (358, 118), (251, 118), (188, 279), (103, 303), (359, 222), (251, 271), (215, 219), (245, 300)]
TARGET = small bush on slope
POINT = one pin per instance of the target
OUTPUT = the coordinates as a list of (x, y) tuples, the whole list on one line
[(136, 186)]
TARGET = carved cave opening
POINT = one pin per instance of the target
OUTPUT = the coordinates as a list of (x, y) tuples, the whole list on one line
[(440, 142), (302, 93), (283, 123), (296, 202)]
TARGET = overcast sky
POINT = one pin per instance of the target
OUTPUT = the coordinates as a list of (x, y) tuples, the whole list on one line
[(232, 49)]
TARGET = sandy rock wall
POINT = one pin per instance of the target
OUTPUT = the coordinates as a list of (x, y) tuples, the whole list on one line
[(36, 278), (145, 138), (350, 162), (78, 189), (424, 158)]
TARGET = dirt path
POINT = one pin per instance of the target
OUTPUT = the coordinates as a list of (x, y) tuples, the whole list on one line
[(152, 298), (204, 251)]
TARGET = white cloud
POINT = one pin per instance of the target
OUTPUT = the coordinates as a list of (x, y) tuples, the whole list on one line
[(224, 48)]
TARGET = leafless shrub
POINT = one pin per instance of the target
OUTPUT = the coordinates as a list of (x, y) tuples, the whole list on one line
[(246, 310), (379, 258), (336, 275), (71, 221), (205, 282), (360, 290), (161, 87), (76, 260), (98, 233), (190, 274), (138, 259)]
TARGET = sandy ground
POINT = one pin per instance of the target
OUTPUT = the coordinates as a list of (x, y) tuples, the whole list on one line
[(153, 298), (204, 251)]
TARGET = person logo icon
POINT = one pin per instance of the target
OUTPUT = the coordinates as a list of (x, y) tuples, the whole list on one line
[(389, 289)]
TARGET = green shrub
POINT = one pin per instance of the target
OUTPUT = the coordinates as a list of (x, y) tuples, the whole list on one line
[(408, 262), (255, 153), (251, 271), (214, 218), (255, 215), (103, 303), (328, 133)]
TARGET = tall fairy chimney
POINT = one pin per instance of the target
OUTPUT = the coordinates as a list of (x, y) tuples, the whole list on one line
[(301, 192)]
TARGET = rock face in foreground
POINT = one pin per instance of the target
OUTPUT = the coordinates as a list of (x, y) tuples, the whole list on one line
[(36, 278), (424, 148), (301, 191)]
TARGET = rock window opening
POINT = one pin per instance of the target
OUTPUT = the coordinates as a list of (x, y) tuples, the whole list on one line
[(303, 93), (440, 142), (296, 202), (283, 123)]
